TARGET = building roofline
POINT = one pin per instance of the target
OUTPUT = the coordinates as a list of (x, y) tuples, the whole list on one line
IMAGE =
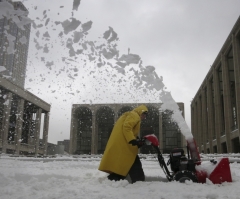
[(28, 96), (105, 104)]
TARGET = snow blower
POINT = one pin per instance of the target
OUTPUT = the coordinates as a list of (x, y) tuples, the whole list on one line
[(190, 167)]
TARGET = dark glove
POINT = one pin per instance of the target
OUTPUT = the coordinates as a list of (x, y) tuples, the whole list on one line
[(137, 142)]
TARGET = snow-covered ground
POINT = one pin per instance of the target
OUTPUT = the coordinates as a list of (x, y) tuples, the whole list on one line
[(69, 177)]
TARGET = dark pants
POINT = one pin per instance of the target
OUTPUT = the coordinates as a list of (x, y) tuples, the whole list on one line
[(136, 172)]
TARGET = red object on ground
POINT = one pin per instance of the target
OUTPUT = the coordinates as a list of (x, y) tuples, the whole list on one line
[(221, 173)]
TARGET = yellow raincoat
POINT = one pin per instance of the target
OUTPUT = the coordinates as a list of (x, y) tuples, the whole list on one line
[(119, 155)]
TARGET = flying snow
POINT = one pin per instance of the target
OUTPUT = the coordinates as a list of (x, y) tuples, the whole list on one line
[(97, 59)]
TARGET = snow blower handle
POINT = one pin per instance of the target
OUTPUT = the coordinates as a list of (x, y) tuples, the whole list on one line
[(151, 140), (139, 142)]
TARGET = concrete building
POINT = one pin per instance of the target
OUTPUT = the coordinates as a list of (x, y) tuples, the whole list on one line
[(14, 42), (55, 149), (91, 125), (22, 114), (65, 143), (215, 109)]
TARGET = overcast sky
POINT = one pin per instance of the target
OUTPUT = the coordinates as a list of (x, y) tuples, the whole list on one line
[(180, 38)]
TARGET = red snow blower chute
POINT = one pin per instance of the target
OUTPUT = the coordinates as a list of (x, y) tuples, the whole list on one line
[(190, 167)]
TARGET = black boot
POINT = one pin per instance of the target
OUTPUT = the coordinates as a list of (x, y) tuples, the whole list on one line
[(115, 177)]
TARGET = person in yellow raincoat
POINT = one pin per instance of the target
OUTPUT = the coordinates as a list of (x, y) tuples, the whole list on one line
[(120, 156)]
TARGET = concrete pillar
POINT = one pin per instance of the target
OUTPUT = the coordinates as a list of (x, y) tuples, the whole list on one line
[(196, 122), (30, 135), (96, 135), (73, 132), (5, 121), (236, 63), (37, 130), (204, 119), (19, 122), (217, 103), (199, 121), (228, 119), (211, 123), (45, 132), (93, 143)]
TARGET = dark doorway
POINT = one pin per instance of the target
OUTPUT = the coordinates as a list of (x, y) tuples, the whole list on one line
[(235, 145), (84, 130), (224, 147), (208, 150), (150, 126), (215, 149), (105, 122), (171, 132)]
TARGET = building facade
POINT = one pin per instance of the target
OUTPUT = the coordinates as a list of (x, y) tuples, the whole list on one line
[(91, 126), (14, 43), (65, 143), (55, 149), (21, 116), (215, 109)]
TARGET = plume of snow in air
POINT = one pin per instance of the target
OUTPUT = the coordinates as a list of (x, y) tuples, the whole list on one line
[(76, 4), (102, 54)]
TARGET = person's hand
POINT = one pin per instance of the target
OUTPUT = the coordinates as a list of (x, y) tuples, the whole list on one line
[(137, 142)]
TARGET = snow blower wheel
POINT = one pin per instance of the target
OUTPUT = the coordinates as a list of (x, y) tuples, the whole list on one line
[(182, 176)]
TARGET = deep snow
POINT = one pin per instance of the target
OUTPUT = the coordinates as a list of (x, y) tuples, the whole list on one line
[(78, 177)]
